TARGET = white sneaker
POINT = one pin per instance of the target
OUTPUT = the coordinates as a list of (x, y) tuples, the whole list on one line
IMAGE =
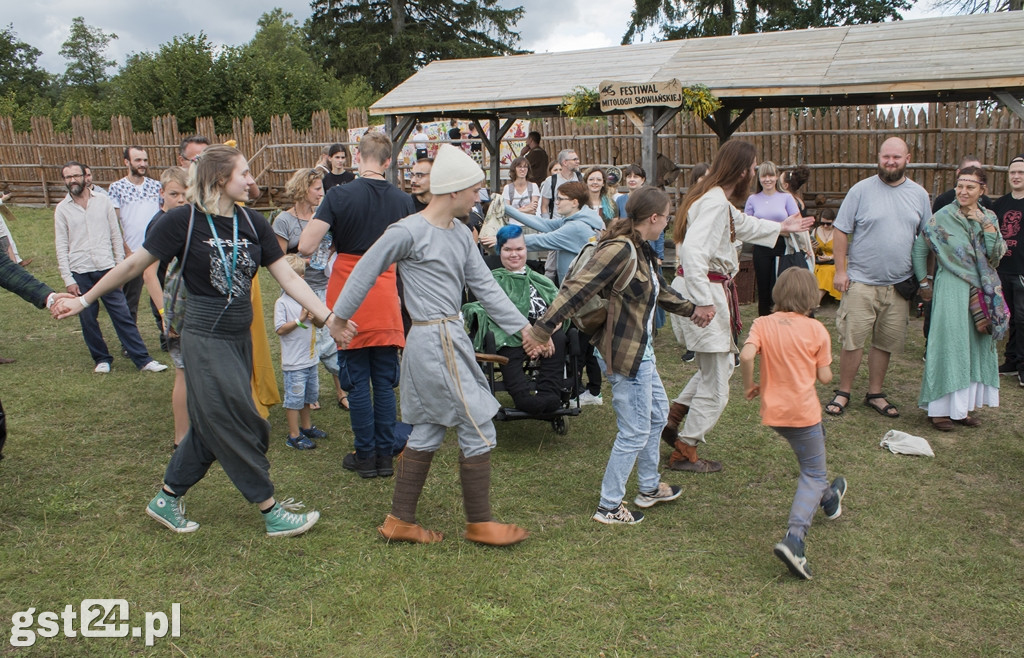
[(587, 398), (102, 367), (152, 366)]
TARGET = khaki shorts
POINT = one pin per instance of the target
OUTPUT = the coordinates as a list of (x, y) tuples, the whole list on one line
[(876, 312)]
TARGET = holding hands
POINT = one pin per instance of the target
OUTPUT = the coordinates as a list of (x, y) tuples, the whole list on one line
[(67, 305), (702, 315), (342, 331), (533, 347)]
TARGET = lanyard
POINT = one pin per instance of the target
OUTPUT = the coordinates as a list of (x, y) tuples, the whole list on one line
[(229, 273)]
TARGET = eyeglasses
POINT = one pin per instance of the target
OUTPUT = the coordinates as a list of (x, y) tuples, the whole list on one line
[(75, 177), (563, 198)]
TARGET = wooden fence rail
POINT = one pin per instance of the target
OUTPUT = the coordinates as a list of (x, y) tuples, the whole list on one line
[(839, 144)]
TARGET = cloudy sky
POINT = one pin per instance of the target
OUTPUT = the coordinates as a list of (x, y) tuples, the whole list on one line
[(141, 26)]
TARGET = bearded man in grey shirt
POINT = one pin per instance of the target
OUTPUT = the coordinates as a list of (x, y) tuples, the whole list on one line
[(876, 227)]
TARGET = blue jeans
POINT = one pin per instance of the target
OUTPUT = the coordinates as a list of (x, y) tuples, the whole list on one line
[(301, 387), (641, 410), (373, 415), (120, 316)]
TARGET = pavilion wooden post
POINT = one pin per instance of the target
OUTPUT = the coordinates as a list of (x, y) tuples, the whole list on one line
[(398, 129), (492, 143), (1011, 102)]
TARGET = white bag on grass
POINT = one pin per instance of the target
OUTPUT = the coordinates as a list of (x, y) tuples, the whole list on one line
[(906, 444)]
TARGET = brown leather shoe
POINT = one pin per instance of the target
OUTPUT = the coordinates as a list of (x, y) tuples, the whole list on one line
[(395, 529), (493, 533), (942, 423), (5, 360), (968, 421)]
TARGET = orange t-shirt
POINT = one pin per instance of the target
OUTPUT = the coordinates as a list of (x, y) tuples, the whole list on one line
[(792, 348)]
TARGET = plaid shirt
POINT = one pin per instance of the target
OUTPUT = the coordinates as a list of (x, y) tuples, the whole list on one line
[(17, 279), (628, 326)]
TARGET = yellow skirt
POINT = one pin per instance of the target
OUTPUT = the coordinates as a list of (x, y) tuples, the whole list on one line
[(825, 274)]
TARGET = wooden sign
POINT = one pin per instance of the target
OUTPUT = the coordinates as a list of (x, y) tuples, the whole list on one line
[(617, 96)]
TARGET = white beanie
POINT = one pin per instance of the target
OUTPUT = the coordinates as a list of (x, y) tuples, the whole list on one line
[(453, 171)]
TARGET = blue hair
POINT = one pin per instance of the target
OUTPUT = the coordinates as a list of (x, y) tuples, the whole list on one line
[(505, 233)]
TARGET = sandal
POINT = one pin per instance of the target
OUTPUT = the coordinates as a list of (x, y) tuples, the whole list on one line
[(885, 411), (835, 403), (315, 406), (942, 424), (343, 402)]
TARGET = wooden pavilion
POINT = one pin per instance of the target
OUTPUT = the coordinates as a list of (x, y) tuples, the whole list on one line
[(916, 61)]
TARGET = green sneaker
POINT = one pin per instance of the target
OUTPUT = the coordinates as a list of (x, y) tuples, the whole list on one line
[(170, 511), (282, 522)]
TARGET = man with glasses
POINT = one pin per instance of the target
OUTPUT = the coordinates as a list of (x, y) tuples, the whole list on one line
[(89, 244), (570, 172), (1009, 208), (419, 181)]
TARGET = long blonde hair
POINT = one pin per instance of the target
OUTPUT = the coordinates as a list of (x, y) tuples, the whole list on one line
[(209, 173)]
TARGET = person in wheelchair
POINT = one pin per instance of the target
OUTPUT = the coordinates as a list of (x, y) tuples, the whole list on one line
[(531, 292)]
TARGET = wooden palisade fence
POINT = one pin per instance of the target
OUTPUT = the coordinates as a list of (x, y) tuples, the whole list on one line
[(839, 144)]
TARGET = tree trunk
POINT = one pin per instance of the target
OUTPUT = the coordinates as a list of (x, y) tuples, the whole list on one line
[(397, 17)]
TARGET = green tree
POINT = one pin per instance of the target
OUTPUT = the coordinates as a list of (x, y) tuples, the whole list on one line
[(85, 51), (386, 41), (681, 19), (274, 74), (182, 78), (978, 6), (20, 78)]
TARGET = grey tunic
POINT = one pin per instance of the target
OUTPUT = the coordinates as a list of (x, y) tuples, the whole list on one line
[(435, 264)]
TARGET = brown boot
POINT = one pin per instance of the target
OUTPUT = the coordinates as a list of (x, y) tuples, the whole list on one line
[(495, 534), (394, 529), (684, 458), (411, 470), (676, 413), (475, 474)]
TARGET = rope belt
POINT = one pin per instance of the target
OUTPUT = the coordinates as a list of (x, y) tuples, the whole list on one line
[(732, 298), (451, 362)]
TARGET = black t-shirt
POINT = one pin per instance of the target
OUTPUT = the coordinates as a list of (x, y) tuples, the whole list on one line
[(1010, 212), (331, 179), (204, 271), (949, 196), (358, 213)]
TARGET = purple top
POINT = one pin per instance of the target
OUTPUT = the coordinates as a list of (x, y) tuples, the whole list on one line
[(773, 207)]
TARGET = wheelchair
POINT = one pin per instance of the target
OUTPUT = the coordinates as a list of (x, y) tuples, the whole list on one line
[(570, 406)]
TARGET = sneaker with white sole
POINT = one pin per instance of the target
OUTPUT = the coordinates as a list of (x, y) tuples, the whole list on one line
[(282, 520), (833, 507), (689, 356), (619, 515), (791, 551), (588, 398), (103, 367), (170, 511), (153, 366), (662, 494)]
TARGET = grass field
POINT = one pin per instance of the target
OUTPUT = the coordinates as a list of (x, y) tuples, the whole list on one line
[(925, 560)]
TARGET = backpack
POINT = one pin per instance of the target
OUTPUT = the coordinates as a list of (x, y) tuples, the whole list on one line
[(175, 291), (593, 315)]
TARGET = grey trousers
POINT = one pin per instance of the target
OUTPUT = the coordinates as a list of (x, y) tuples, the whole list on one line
[(808, 444), (224, 425)]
